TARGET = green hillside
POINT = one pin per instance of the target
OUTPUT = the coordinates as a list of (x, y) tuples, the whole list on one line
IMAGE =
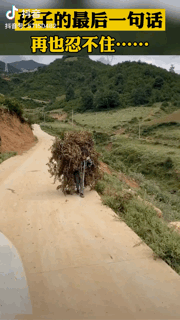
[(90, 85)]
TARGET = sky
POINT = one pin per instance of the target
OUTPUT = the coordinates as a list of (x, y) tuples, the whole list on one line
[(172, 6), (159, 61)]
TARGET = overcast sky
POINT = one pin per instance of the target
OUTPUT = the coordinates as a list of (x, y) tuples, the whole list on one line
[(172, 6), (159, 61)]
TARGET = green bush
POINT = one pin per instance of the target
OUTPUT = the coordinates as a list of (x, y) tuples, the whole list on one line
[(101, 137), (158, 82), (7, 155), (106, 99), (134, 120), (87, 99), (70, 93), (139, 96), (16, 80), (165, 104), (14, 106), (100, 187)]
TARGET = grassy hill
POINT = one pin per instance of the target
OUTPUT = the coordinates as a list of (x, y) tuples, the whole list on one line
[(90, 85)]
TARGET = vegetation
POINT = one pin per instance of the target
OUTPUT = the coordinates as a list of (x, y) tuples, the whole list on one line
[(153, 166), (143, 220), (14, 107), (91, 85), (128, 108), (6, 155)]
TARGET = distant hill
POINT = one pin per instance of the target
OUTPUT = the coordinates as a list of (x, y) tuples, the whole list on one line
[(11, 69), (26, 64), (93, 85)]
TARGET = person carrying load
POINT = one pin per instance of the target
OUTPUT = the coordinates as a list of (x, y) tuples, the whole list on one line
[(79, 175), (74, 162)]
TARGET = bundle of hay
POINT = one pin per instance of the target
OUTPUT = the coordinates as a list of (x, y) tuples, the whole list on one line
[(67, 156)]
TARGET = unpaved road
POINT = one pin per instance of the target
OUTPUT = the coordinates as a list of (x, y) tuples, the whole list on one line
[(80, 261)]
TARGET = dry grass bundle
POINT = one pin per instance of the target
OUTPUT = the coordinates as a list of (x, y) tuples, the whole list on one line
[(67, 156)]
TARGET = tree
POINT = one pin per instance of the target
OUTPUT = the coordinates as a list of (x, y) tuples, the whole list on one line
[(118, 79), (93, 74), (69, 93), (87, 99), (93, 88), (172, 69), (112, 98), (148, 90), (147, 72), (106, 99), (99, 100), (139, 96), (68, 83), (158, 82), (14, 106)]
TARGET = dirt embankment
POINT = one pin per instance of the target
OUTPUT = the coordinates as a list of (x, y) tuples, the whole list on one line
[(15, 135)]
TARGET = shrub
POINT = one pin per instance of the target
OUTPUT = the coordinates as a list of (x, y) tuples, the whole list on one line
[(158, 82), (69, 93), (134, 120), (139, 96), (165, 104), (168, 163), (106, 100), (100, 186), (87, 99), (14, 106), (100, 137)]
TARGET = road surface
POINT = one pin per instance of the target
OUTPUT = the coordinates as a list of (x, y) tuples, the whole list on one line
[(79, 260)]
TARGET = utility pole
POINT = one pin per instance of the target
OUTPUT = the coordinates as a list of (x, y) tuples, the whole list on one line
[(139, 129), (44, 114), (72, 117), (96, 119)]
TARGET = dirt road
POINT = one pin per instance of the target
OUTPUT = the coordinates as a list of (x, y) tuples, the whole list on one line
[(80, 261)]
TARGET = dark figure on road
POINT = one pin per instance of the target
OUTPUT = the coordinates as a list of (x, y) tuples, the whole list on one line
[(79, 176)]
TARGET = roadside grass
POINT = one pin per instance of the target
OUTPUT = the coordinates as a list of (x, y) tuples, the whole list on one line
[(168, 203), (143, 219), (7, 155), (152, 191)]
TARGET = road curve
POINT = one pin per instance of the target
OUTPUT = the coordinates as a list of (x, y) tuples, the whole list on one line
[(80, 261)]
